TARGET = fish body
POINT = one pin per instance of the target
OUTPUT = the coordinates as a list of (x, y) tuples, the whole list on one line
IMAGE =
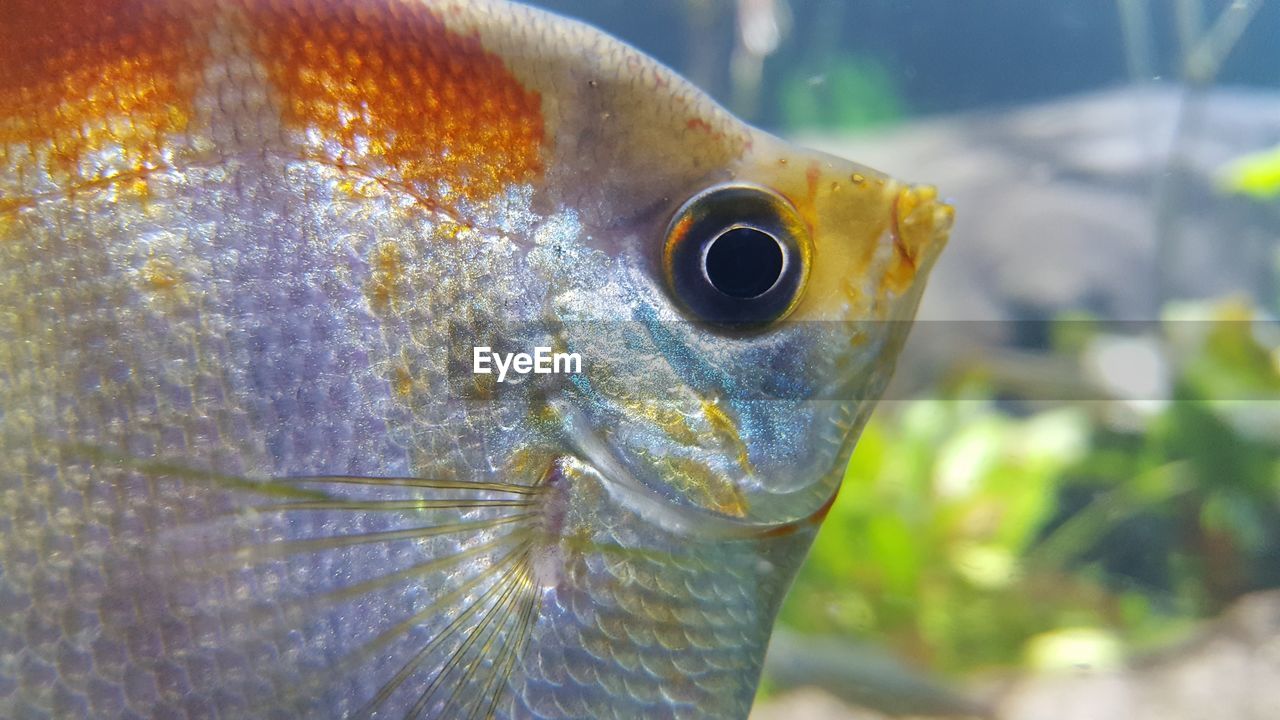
[(248, 250)]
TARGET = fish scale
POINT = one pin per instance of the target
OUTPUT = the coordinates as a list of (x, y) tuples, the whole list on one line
[(246, 248)]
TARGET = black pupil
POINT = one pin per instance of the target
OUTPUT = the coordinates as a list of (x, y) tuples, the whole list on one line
[(744, 262)]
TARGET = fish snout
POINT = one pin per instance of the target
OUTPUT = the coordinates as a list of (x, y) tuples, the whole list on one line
[(921, 226)]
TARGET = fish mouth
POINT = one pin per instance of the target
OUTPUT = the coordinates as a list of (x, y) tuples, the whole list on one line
[(921, 226), (633, 493)]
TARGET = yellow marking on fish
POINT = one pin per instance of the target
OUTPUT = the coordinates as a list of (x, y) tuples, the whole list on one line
[(387, 277), (703, 485), (159, 273), (452, 231), (671, 422), (529, 461), (675, 425), (727, 431), (402, 381), (485, 386), (917, 219)]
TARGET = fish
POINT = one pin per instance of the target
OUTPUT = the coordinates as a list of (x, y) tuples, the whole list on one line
[(251, 464)]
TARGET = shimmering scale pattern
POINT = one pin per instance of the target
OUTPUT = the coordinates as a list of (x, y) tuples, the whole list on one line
[(245, 250), (86, 103), (398, 97), (661, 631)]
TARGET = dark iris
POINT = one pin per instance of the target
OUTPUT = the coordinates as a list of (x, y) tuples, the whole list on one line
[(735, 256), (744, 262)]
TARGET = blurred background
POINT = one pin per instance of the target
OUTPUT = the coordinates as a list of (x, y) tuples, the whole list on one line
[(1069, 504)]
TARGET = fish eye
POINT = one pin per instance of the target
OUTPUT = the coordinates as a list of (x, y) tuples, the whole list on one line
[(743, 262), (737, 255)]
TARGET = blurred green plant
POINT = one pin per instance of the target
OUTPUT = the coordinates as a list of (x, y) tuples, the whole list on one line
[(853, 93), (968, 535), (1256, 175)]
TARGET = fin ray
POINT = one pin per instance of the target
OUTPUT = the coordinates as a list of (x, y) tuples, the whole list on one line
[(473, 540)]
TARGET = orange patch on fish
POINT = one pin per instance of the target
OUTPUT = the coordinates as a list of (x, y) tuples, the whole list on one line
[(700, 125), (90, 94), (807, 205), (715, 133), (812, 176), (385, 88)]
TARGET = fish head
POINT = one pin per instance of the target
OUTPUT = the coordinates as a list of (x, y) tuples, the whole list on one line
[(739, 305)]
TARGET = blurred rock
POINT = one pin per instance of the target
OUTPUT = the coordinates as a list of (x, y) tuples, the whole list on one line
[(863, 675), (1230, 670), (810, 704)]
